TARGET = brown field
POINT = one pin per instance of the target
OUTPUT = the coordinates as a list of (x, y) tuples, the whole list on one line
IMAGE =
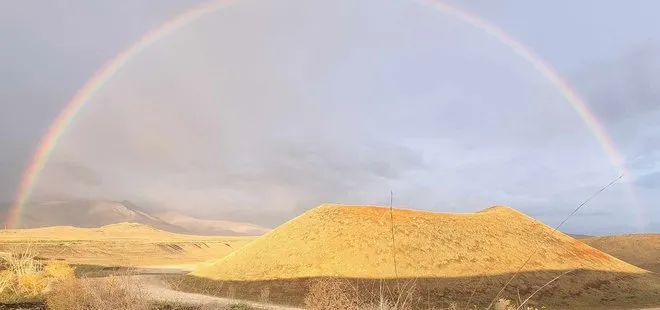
[(131, 245), (449, 257), (642, 250)]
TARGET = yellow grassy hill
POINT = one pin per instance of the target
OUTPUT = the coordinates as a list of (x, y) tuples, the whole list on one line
[(356, 242)]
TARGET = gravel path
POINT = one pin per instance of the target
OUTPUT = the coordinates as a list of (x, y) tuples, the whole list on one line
[(159, 290)]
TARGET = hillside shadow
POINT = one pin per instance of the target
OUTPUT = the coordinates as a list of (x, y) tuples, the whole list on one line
[(98, 271), (580, 289)]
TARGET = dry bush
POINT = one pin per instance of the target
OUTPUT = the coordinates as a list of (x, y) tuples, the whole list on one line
[(399, 297), (231, 293), (340, 294), (59, 270), (264, 294), (22, 278), (98, 294), (505, 304), (331, 294)]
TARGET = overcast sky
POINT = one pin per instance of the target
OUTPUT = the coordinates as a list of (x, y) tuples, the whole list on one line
[(262, 110)]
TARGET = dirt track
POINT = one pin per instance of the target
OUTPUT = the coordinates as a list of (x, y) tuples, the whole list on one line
[(160, 291)]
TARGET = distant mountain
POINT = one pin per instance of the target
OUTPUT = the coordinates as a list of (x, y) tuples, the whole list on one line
[(211, 227), (89, 213), (97, 213)]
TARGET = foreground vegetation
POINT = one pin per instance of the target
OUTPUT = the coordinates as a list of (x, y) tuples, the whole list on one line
[(327, 294), (124, 250), (53, 285), (26, 280)]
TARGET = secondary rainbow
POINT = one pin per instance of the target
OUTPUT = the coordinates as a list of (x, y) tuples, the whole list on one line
[(31, 174)]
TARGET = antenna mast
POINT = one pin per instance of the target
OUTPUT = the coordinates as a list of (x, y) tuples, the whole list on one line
[(396, 273)]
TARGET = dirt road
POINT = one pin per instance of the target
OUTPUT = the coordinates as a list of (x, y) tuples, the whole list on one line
[(159, 290)]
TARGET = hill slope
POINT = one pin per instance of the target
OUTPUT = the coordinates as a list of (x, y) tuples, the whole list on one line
[(356, 242), (642, 250)]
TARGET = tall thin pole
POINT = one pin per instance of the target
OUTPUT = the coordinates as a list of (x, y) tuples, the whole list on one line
[(396, 273), (549, 234)]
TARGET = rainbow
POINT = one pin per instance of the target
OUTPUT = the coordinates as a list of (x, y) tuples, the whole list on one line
[(31, 174)]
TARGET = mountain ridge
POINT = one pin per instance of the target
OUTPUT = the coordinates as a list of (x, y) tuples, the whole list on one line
[(95, 213)]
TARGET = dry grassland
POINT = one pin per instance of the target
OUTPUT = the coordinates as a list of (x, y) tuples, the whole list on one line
[(118, 245), (641, 250), (452, 259)]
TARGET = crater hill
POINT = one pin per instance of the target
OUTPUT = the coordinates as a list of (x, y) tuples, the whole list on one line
[(441, 259), (356, 242)]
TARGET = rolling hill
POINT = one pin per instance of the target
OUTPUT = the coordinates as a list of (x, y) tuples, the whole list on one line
[(448, 257), (350, 241), (641, 250)]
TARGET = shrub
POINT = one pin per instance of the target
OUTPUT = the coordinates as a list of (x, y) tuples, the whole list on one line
[(97, 294), (331, 294), (22, 278), (59, 270), (326, 294)]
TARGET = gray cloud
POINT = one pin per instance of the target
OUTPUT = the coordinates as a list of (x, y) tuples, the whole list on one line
[(48, 50), (626, 87)]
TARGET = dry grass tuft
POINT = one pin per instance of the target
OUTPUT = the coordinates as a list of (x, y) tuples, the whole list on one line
[(23, 278), (342, 294), (505, 304), (331, 294), (264, 295), (59, 270), (97, 294)]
